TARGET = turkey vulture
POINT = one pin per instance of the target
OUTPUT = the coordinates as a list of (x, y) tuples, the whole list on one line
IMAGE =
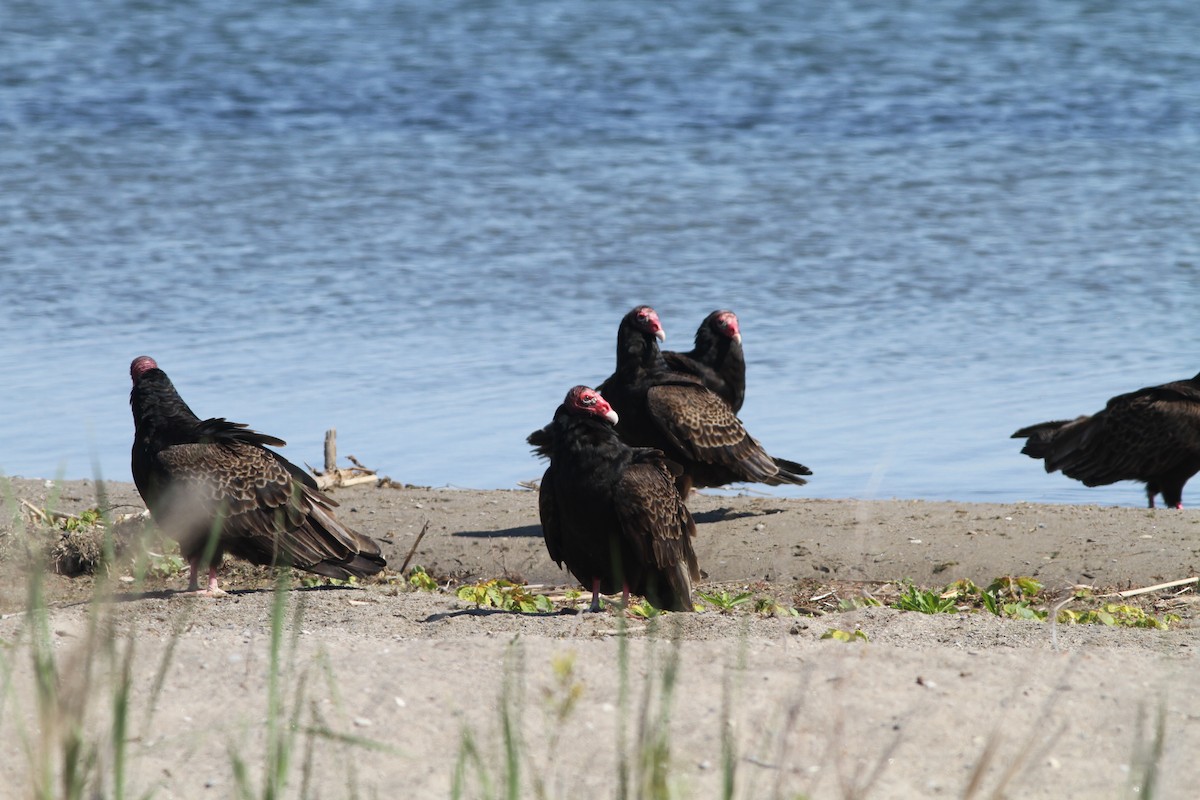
[(717, 359), (1151, 435), (214, 487), (675, 413), (610, 512)]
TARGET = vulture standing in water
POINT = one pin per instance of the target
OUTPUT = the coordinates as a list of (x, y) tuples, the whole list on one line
[(674, 412), (1151, 435), (717, 359), (213, 487), (610, 512)]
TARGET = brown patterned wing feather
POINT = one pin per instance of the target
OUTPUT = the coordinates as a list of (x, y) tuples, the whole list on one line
[(705, 428), (657, 524), (269, 515)]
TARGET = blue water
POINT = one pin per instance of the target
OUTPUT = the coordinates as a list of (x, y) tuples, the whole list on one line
[(420, 223)]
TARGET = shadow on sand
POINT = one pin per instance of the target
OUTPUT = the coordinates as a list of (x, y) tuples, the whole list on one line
[(507, 533)]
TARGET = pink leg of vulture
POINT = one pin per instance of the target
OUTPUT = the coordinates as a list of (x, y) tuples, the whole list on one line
[(213, 590), (595, 595)]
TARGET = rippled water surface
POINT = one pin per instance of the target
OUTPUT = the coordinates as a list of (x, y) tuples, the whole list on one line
[(420, 223)]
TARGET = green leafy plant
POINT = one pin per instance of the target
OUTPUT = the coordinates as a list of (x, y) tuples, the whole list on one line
[(925, 601), (307, 580), (83, 543), (1118, 615), (968, 594), (418, 578), (853, 603), (723, 601), (770, 607), (505, 595), (643, 609), (1023, 598), (164, 566), (1011, 597), (1016, 588), (85, 520)]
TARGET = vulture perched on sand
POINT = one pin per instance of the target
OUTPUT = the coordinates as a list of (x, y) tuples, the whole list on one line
[(1151, 435), (611, 512), (675, 413), (717, 358), (200, 477)]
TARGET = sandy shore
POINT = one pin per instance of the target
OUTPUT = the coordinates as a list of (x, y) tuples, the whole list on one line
[(926, 705)]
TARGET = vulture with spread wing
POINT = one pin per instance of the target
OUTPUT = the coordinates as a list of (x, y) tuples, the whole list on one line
[(1151, 435), (214, 487)]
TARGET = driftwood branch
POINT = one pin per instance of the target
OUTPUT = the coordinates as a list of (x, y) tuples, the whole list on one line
[(39, 514), (331, 450), (345, 477), (45, 515), (1155, 588), (332, 476)]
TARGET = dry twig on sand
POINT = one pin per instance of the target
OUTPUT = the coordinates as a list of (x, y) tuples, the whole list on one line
[(412, 550)]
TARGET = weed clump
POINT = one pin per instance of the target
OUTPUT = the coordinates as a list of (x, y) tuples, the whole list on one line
[(1025, 598), (506, 596), (70, 544)]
